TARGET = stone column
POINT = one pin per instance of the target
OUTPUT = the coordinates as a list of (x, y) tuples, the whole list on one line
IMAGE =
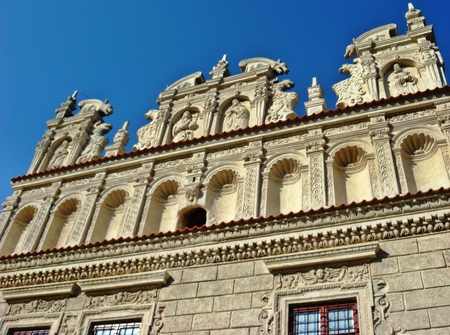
[(130, 224), (78, 142), (380, 134), (34, 234), (240, 197), (41, 150), (330, 182), (370, 75), (261, 97), (253, 158), (315, 144), (263, 201), (209, 108), (304, 172)]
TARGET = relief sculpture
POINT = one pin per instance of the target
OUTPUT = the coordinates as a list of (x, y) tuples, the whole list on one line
[(184, 128), (236, 117), (282, 103)]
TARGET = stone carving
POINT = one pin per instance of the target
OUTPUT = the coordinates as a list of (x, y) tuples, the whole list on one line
[(381, 325), (221, 69), (103, 108), (385, 167), (184, 128), (317, 180), (60, 155), (267, 317), (171, 163), (122, 173), (96, 143), (36, 306), (147, 135), (67, 107), (121, 298), (221, 153), (401, 82), (192, 192), (45, 141), (236, 117), (346, 128), (76, 182), (321, 276), (250, 187), (413, 115), (282, 103), (157, 321), (69, 324), (284, 140), (350, 91)]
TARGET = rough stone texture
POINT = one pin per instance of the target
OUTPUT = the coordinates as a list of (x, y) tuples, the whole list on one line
[(233, 302), (439, 317), (404, 282), (236, 270), (77, 303), (399, 247), (234, 331), (199, 274), (436, 277), (431, 243), (211, 321), (261, 268), (215, 288), (427, 260), (396, 303), (181, 291), (175, 276), (193, 306), (257, 301), (432, 297), (260, 283), (447, 257), (411, 319), (439, 331), (384, 266), (177, 324), (245, 318), (170, 308)]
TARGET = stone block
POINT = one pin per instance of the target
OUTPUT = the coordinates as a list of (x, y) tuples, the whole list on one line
[(440, 331), (257, 301), (170, 308), (240, 331), (215, 288), (423, 261), (253, 284), (246, 318), (436, 277), (180, 291), (75, 304), (411, 320), (404, 281), (432, 243), (428, 298), (211, 321), (396, 303), (194, 306), (175, 276), (174, 324), (233, 302), (255, 331), (261, 268), (400, 247), (384, 266), (439, 317), (206, 273), (236, 270), (447, 257)]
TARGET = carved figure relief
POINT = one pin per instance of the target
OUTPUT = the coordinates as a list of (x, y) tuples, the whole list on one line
[(96, 143), (282, 103), (60, 155), (401, 82), (221, 69), (350, 91), (236, 117), (184, 128)]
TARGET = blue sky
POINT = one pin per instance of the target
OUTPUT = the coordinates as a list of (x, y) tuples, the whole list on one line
[(129, 51)]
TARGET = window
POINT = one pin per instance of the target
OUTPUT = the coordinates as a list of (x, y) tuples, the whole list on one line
[(329, 319), (119, 328), (195, 218), (41, 331)]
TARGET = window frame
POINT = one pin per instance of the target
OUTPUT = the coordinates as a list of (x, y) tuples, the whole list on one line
[(115, 323), (29, 331)]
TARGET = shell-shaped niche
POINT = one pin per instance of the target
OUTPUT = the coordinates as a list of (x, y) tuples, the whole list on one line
[(223, 179), (285, 169), (416, 144), (167, 190), (116, 198), (350, 156), (26, 215), (68, 207)]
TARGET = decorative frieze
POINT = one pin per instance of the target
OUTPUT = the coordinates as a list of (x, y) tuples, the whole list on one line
[(122, 173), (36, 306), (346, 128), (121, 298), (412, 115)]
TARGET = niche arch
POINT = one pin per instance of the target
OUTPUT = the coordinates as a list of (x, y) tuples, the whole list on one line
[(57, 154), (223, 119), (15, 237), (185, 125), (407, 65), (192, 217)]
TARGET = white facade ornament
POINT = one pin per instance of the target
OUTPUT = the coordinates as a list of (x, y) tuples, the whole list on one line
[(282, 103), (184, 128), (236, 117), (401, 82)]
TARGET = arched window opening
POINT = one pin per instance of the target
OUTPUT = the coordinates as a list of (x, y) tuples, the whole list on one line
[(195, 218)]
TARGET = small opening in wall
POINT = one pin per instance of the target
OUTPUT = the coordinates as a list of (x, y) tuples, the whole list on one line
[(195, 218)]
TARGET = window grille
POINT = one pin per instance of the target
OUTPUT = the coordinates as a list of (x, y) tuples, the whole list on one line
[(118, 328), (30, 332), (329, 319)]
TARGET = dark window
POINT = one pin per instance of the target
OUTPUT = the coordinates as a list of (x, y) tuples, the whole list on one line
[(329, 319), (40, 331), (118, 328), (195, 218)]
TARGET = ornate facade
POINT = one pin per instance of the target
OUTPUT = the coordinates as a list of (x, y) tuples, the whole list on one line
[(234, 216)]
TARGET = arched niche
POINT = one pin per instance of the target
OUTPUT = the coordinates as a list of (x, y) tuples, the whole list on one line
[(401, 77), (57, 154), (192, 217), (61, 224), (110, 215), (222, 195), (351, 175), (163, 209), (236, 113), (284, 186), (15, 237), (422, 162), (186, 125)]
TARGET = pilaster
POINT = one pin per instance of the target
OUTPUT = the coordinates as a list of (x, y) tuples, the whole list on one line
[(330, 182), (400, 170), (261, 97), (315, 144), (253, 158)]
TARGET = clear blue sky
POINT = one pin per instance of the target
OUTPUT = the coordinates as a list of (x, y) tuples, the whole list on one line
[(128, 51)]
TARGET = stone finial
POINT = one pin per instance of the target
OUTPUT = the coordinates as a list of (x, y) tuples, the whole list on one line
[(67, 107), (414, 18), (221, 69), (316, 103), (121, 139)]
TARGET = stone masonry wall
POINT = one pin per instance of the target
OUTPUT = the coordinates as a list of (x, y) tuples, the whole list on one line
[(215, 300), (417, 275)]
